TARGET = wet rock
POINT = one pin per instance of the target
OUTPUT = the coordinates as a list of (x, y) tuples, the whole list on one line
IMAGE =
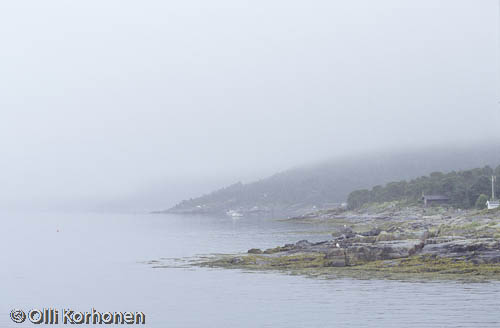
[(372, 233), (302, 244), (272, 250), (486, 250), (254, 251), (335, 257), (388, 236), (363, 253), (236, 260), (417, 248), (347, 232), (286, 248), (344, 233)]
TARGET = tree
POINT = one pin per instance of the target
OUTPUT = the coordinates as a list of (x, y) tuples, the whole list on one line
[(358, 198), (482, 185), (481, 201), (462, 187)]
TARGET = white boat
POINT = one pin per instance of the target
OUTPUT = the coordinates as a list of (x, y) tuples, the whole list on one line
[(234, 213)]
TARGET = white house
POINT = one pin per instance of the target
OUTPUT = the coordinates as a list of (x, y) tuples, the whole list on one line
[(493, 204)]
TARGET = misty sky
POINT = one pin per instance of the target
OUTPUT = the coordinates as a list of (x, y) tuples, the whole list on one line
[(102, 99)]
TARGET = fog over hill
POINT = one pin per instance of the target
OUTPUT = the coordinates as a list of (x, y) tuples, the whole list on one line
[(301, 189), (158, 102)]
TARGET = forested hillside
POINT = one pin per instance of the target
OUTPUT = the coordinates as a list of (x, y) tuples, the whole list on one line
[(299, 190), (462, 187)]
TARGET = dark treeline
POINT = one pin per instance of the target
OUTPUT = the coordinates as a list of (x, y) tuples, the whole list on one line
[(462, 187)]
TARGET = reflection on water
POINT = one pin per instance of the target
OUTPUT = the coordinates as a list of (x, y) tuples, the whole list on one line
[(88, 260)]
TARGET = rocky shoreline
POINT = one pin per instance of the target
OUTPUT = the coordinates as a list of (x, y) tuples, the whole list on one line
[(388, 239)]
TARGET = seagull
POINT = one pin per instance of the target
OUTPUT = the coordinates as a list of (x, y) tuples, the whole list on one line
[(337, 244)]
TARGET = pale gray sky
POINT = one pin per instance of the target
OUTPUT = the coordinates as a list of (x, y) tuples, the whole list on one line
[(101, 99)]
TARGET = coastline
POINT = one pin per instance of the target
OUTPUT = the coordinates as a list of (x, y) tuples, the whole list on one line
[(389, 240)]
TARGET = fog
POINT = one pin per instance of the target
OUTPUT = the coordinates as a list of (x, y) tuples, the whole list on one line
[(105, 101)]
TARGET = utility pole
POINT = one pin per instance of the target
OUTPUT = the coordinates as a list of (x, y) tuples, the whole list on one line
[(493, 180)]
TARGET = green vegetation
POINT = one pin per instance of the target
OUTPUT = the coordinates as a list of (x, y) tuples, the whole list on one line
[(263, 262), (481, 201), (433, 267), (415, 267), (465, 189)]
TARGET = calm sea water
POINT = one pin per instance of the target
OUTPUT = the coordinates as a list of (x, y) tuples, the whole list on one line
[(89, 261)]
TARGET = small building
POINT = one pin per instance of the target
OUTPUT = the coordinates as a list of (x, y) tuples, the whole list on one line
[(434, 199), (492, 204)]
